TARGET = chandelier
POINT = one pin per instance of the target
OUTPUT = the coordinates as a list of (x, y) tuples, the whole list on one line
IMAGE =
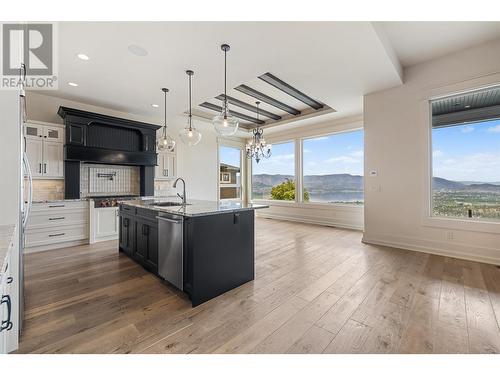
[(257, 148)]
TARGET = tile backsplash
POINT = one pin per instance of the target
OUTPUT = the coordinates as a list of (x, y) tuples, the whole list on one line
[(101, 179), (48, 190), (164, 188)]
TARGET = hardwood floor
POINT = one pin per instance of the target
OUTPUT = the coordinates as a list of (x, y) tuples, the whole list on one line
[(317, 290)]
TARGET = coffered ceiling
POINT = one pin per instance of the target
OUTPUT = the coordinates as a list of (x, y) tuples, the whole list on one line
[(332, 63)]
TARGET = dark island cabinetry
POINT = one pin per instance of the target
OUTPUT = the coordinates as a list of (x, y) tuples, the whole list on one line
[(139, 236)]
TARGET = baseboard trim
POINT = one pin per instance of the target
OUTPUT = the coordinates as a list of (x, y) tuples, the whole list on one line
[(435, 249), (310, 221)]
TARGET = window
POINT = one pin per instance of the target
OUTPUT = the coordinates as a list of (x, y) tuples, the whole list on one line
[(229, 172), (466, 155), (274, 178), (333, 168)]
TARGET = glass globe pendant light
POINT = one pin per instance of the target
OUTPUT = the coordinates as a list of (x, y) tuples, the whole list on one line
[(225, 124), (189, 135), (165, 142)]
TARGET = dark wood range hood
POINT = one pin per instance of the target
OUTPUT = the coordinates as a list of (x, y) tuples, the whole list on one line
[(96, 138)]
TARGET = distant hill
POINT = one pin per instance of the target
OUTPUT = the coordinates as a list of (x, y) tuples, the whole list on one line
[(329, 182), (448, 185), (348, 182)]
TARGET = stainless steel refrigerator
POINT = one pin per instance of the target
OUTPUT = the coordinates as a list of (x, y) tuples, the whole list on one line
[(26, 190)]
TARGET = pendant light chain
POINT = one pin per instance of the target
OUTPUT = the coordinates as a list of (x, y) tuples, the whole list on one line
[(165, 112)]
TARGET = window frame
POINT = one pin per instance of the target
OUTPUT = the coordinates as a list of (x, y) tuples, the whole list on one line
[(243, 166), (349, 126), (273, 201), (329, 204), (427, 217)]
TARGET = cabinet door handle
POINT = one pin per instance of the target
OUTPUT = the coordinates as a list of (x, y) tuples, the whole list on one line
[(125, 222), (164, 173), (57, 218), (39, 167), (6, 324), (57, 235), (44, 167), (236, 218), (166, 170), (56, 205), (10, 279)]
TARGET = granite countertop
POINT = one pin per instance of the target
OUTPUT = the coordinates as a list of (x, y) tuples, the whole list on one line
[(62, 200), (194, 207), (6, 234)]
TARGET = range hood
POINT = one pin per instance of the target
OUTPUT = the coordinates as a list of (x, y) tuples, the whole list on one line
[(96, 138)]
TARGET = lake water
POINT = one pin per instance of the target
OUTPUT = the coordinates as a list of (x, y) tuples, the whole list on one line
[(337, 197)]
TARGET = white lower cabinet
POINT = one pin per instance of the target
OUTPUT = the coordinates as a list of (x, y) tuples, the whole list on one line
[(57, 224), (104, 224)]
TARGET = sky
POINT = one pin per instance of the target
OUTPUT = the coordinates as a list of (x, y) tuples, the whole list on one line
[(339, 153), (229, 155), (468, 152)]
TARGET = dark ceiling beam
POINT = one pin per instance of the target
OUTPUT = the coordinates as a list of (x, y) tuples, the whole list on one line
[(267, 99), (248, 107), (290, 90), (242, 116)]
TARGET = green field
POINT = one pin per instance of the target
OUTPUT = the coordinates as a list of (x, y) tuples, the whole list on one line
[(484, 205)]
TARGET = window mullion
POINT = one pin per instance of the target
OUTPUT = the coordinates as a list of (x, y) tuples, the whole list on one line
[(298, 171)]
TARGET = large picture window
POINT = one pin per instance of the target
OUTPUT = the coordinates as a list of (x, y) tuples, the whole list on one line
[(274, 178), (333, 168), (466, 156)]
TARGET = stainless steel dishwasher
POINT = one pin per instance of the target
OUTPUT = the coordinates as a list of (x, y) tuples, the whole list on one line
[(171, 249)]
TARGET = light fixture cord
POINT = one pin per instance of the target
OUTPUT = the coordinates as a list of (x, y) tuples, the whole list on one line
[(165, 109), (190, 115), (225, 82)]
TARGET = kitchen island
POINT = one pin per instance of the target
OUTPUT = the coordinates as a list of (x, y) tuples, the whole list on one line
[(203, 248)]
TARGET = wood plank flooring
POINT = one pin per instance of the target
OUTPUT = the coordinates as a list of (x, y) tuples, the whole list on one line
[(317, 290)]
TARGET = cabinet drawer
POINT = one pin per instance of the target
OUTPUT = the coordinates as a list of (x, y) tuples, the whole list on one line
[(37, 237), (147, 213), (59, 206), (57, 218)]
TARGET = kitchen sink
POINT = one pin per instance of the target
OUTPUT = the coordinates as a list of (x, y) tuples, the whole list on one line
[(167, 204)]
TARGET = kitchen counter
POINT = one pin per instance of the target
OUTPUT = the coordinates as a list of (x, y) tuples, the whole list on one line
[(204, 248), (194, 207), (62, 200)]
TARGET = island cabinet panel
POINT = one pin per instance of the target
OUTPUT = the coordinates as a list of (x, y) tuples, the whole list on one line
[(219, 254), (146, 251), (138, 237), (127, 234)]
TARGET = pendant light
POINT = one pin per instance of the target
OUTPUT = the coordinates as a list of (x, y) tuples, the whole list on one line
[(224, 123), (257, 148), (165, 142), (189, 135)]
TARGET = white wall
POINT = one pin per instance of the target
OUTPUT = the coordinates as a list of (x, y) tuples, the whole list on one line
[(396, 145), (197, 165), (344, 216)]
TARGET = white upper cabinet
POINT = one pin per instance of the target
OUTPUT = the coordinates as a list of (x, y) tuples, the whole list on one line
[(45, 150), (166, 166)]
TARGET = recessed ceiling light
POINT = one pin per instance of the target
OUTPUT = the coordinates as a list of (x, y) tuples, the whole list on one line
[(73, 84), (137, 50), (83, 57), (154, 105)]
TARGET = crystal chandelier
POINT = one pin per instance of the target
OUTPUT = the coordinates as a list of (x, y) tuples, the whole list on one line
[(189, 135), (165, 142), (224, 123), (257, 148)]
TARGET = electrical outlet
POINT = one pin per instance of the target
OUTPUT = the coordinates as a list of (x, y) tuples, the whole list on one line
[(449, 235)]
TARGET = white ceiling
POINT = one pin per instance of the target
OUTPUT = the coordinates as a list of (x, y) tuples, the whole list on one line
[(333, 62), (416, 42)]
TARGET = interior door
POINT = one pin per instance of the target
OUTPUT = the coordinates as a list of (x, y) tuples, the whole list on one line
[(53, 159), (34, 150)]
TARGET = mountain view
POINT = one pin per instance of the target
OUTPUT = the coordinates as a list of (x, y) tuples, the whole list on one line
[(333, 188)]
